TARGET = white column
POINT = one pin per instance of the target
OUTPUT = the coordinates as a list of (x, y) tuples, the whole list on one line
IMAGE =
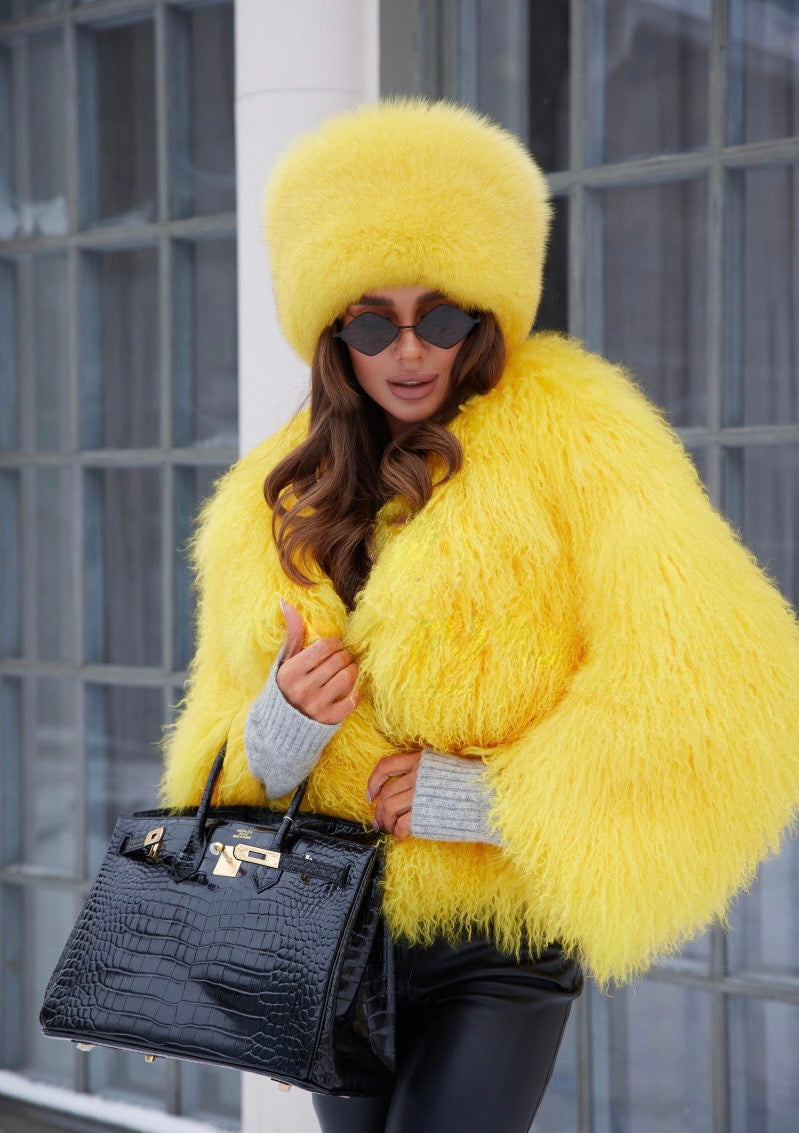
[(297, 62)]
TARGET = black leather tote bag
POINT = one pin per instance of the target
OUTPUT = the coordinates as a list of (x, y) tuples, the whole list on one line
[(241, 937)]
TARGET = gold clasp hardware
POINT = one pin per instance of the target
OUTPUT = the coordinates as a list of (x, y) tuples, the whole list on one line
[(85, 1047), (152, 841), (227, 866), (255, 854), (149, 1059)]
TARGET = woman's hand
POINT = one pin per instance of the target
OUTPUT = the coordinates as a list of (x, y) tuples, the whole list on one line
[(391, 788), (319, 680)]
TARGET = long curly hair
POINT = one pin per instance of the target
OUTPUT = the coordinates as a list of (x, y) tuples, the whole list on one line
[(326, 493)]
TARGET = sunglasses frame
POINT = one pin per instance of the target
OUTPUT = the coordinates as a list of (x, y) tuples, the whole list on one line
[(342, 334)]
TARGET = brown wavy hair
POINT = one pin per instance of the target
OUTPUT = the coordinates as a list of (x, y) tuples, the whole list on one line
[(326, 493)]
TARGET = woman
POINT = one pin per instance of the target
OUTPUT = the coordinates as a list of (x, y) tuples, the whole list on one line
[(488, 607)]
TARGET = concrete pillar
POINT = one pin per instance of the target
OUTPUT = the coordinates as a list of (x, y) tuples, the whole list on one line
[(297, 62)]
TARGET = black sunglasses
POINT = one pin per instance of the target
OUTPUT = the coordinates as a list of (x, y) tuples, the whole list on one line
[(444, 326)]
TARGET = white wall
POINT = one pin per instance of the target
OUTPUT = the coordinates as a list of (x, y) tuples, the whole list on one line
[(297, 62)]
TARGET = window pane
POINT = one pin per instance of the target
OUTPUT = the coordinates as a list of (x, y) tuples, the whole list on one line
[(203, 160), (50, 766), (764, 78), (653, 1059), (54, 598), (548, 129), (123, 566), (9, 374), (120, 349), (559, 1109), (765, 924), (33, 197), (192, 486), (205, 362), (553, 313), (764, 1041), (654, 291), (10, 566), (43, 197), (51, 352), (117, 117), (123, 726), (761, 496), (11, 819), (501, 40), (211, 1094), (36, 923), (650, 92), (763, 381)]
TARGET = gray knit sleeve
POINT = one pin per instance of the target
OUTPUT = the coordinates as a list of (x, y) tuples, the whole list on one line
[(283, 745), (452, 800)]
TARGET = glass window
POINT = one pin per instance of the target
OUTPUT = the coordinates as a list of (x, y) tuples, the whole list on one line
[(553, 313), (36, 922), (203, 158), (11, 573), (205, 360), (33, 196), (652, 1060), (118, 409), (548, 127), (647, 77), (764, 1040), (123, 566), (51, 353), (123, 726), (762, 385), (54, 571), (117, 120), (9, 386), (654, 290), (764, 70), (120, 349)]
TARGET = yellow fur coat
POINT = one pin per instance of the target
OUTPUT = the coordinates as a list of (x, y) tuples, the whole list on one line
[(571, 609)]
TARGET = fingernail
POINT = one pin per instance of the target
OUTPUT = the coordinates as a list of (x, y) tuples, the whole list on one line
[(283, 605), (368, 796), (375, 825)]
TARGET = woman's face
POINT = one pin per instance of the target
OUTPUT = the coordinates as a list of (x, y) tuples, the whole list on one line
[(411, 378)]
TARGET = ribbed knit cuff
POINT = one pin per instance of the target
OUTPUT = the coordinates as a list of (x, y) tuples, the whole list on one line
[(283, 745), (452, 800)]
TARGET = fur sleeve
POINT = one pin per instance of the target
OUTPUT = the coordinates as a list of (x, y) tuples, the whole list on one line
[(670, 767)]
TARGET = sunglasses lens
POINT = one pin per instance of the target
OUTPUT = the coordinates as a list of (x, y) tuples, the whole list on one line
[(445, 326), (368, 333)]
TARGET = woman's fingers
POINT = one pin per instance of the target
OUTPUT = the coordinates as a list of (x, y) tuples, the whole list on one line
[(390, 807), (391, 766), (320, 681)]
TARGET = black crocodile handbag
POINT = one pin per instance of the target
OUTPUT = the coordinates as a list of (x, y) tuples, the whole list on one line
[(236, 936)]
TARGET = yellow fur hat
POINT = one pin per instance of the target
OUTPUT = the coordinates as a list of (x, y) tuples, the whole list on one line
[(406, 193)]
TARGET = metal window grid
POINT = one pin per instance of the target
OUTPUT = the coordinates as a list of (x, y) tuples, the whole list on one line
[(160, 233)]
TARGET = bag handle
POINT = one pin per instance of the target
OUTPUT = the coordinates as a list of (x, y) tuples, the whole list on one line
[(188, 860)]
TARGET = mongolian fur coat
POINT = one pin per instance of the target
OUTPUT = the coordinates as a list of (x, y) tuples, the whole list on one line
[(571, 610)]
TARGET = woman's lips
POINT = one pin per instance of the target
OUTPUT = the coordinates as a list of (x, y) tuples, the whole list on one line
[(413, 386)]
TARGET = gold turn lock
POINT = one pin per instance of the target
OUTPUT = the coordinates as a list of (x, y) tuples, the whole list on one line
[(231, 857), (153, 837), (244, 853)]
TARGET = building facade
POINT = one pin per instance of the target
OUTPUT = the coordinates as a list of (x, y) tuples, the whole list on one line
[(139, 354)]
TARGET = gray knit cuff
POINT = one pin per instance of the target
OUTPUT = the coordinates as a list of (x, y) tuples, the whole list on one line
[(452, 800), (283, 745)]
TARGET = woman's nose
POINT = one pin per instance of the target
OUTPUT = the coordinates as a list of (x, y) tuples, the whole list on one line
[(409, 344)]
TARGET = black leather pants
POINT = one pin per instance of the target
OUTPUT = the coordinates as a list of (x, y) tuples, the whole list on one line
[(477, 1037)]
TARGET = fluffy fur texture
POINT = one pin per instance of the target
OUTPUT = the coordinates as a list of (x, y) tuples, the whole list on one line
[(400, 194), (572, 609)]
